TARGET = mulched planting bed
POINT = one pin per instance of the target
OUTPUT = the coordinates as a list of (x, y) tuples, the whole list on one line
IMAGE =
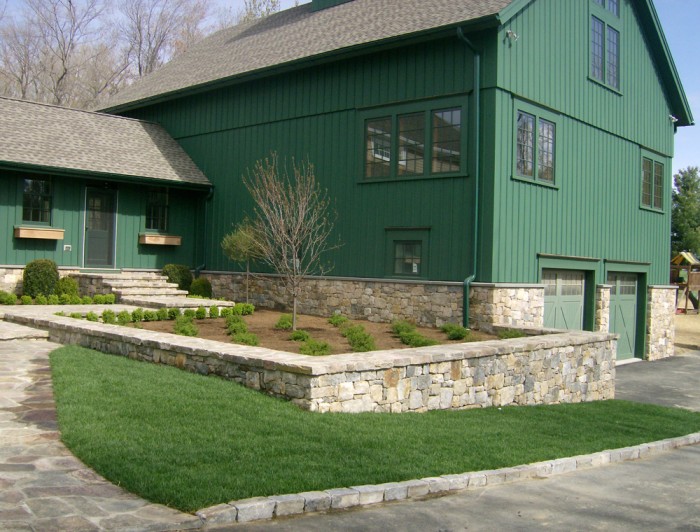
[(262, 323)]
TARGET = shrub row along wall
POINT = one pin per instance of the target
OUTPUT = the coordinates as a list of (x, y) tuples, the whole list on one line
[(554, 368)]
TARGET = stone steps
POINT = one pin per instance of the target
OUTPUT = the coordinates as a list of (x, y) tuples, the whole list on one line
[(148, 291), (129, 285)]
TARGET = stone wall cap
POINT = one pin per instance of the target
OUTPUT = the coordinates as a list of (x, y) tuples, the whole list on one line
[(663, 287), (508, 285)]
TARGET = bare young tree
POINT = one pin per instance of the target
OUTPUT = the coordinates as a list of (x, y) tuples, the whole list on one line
[(19, 64), (240, 246), (293, 222), (156, 30)]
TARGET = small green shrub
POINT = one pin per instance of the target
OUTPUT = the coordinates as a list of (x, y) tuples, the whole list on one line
[(360, 340), (150, 315), (299, 336), (315, 348), (245, 338), (109, 317), (173, 313), (91, 316), (455, 332), (64, 299), (76, 300), (137, 315), (41, 299), (201, 287), (402, 326), (213, 312), (184, 326), (226, 312), (59, 313), (162, 314), (67, 285), (110, 299), (510, 333), (234, 327), (284, 323), (86, 300), (415, 339), (337, 320), (99, 299), (53, 299), (200, 313), (124, 317), (245, 309), (178, 274), (26, 300), (7, 298), (40, 277), (76, 315), (189, 313)]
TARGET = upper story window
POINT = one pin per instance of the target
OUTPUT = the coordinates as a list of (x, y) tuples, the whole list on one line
[(605, 44), (652, 184), (420, 142), (37, 197), (157, 210), (535, 147)]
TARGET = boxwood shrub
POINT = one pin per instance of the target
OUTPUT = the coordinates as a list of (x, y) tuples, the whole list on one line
[(178, 274), (40, 277)]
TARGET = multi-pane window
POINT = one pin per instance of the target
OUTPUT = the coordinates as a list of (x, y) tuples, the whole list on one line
[(157, 210), (652, 184), (535, 147), (36, 201), (407, 257), (605, 44), (427, 142)]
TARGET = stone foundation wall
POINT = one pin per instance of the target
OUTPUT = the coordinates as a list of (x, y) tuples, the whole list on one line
[(661, 330), (425, 303), (602, 307), (554, 368), (506, 305), (11, 278)]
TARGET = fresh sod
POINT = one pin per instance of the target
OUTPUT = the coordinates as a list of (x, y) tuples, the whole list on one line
[(190, 441)]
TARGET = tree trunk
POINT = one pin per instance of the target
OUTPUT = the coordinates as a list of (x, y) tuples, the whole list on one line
[(294, 313), (247, 281)]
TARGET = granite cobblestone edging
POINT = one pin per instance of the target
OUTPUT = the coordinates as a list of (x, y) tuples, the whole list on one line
[(262, 508), (545, 369)]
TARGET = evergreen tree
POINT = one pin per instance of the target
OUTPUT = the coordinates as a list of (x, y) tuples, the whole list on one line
[(685, 214)]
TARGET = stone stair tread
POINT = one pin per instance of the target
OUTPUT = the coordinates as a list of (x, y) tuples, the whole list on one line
[(14, 331), (174, 302), (150, 291), (121, 283)]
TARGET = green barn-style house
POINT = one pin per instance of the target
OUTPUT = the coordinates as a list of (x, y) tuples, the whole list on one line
[(518, 151)]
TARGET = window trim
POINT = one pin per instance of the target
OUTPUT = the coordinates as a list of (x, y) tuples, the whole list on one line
[(427, 107), (609, 20), (21, 195), (539, 114), (396, 235), (655, 160), (159, 230)]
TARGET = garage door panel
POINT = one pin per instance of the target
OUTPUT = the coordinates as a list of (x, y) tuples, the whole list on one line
[(623, 311), (563, 299)]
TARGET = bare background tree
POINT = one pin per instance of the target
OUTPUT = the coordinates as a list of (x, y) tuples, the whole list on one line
[(293, 222), (77, 53)]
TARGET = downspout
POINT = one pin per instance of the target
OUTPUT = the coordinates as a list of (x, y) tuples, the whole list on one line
[(199, 268), (477, 175)]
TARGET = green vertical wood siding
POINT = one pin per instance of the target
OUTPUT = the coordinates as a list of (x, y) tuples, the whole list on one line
[(314, 113)]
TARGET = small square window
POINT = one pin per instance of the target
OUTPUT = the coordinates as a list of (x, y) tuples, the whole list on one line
[(407, 257), (37, 198), (157, 210)]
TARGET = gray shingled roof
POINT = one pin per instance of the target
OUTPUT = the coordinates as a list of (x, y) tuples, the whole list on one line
[(56, 137), (300, 33)]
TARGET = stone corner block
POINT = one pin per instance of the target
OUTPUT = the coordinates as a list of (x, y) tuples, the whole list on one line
[(254, 509), (316, 501), (437, 484), (416, 488), (370, 494), (219, 514), (343, 498), (394, 491), (288, 505), (457, 482)]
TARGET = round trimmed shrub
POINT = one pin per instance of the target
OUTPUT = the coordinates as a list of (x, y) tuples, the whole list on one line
[(40, 277), (201, 287), (26, 300), (67, 285), (179, 274)]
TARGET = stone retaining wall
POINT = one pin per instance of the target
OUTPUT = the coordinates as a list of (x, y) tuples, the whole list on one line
[(661, 328), (506, 305), (553, 368), (11, 278)]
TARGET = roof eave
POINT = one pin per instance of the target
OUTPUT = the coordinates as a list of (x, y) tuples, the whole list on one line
[(488, 21), (89, 174)]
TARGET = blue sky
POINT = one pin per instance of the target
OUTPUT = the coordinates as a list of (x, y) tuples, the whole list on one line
[(681, 23)]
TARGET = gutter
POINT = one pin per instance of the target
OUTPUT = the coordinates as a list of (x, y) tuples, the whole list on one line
[(477, 175)]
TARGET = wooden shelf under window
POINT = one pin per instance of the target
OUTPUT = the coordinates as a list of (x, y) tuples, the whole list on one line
[(42, 233), (160, 240)]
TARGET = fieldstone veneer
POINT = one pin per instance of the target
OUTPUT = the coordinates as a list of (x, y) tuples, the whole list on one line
[(661, 328), (546, 369)]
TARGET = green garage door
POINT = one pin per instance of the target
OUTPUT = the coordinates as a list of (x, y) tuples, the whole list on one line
[(623, 311), (563, 299)]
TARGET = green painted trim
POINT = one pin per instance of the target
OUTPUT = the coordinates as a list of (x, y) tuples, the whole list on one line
[(513, 9), (538, 112)]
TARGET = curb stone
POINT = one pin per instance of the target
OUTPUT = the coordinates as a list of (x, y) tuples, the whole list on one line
[(263, 508)]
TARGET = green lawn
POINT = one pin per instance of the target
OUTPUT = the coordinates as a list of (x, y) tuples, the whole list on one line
[(189, 441)]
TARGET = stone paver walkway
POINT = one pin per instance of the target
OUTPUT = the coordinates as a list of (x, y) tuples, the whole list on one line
[(43, 486)]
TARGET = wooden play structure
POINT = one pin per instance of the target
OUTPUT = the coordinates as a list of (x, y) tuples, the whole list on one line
[(685, 273)]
